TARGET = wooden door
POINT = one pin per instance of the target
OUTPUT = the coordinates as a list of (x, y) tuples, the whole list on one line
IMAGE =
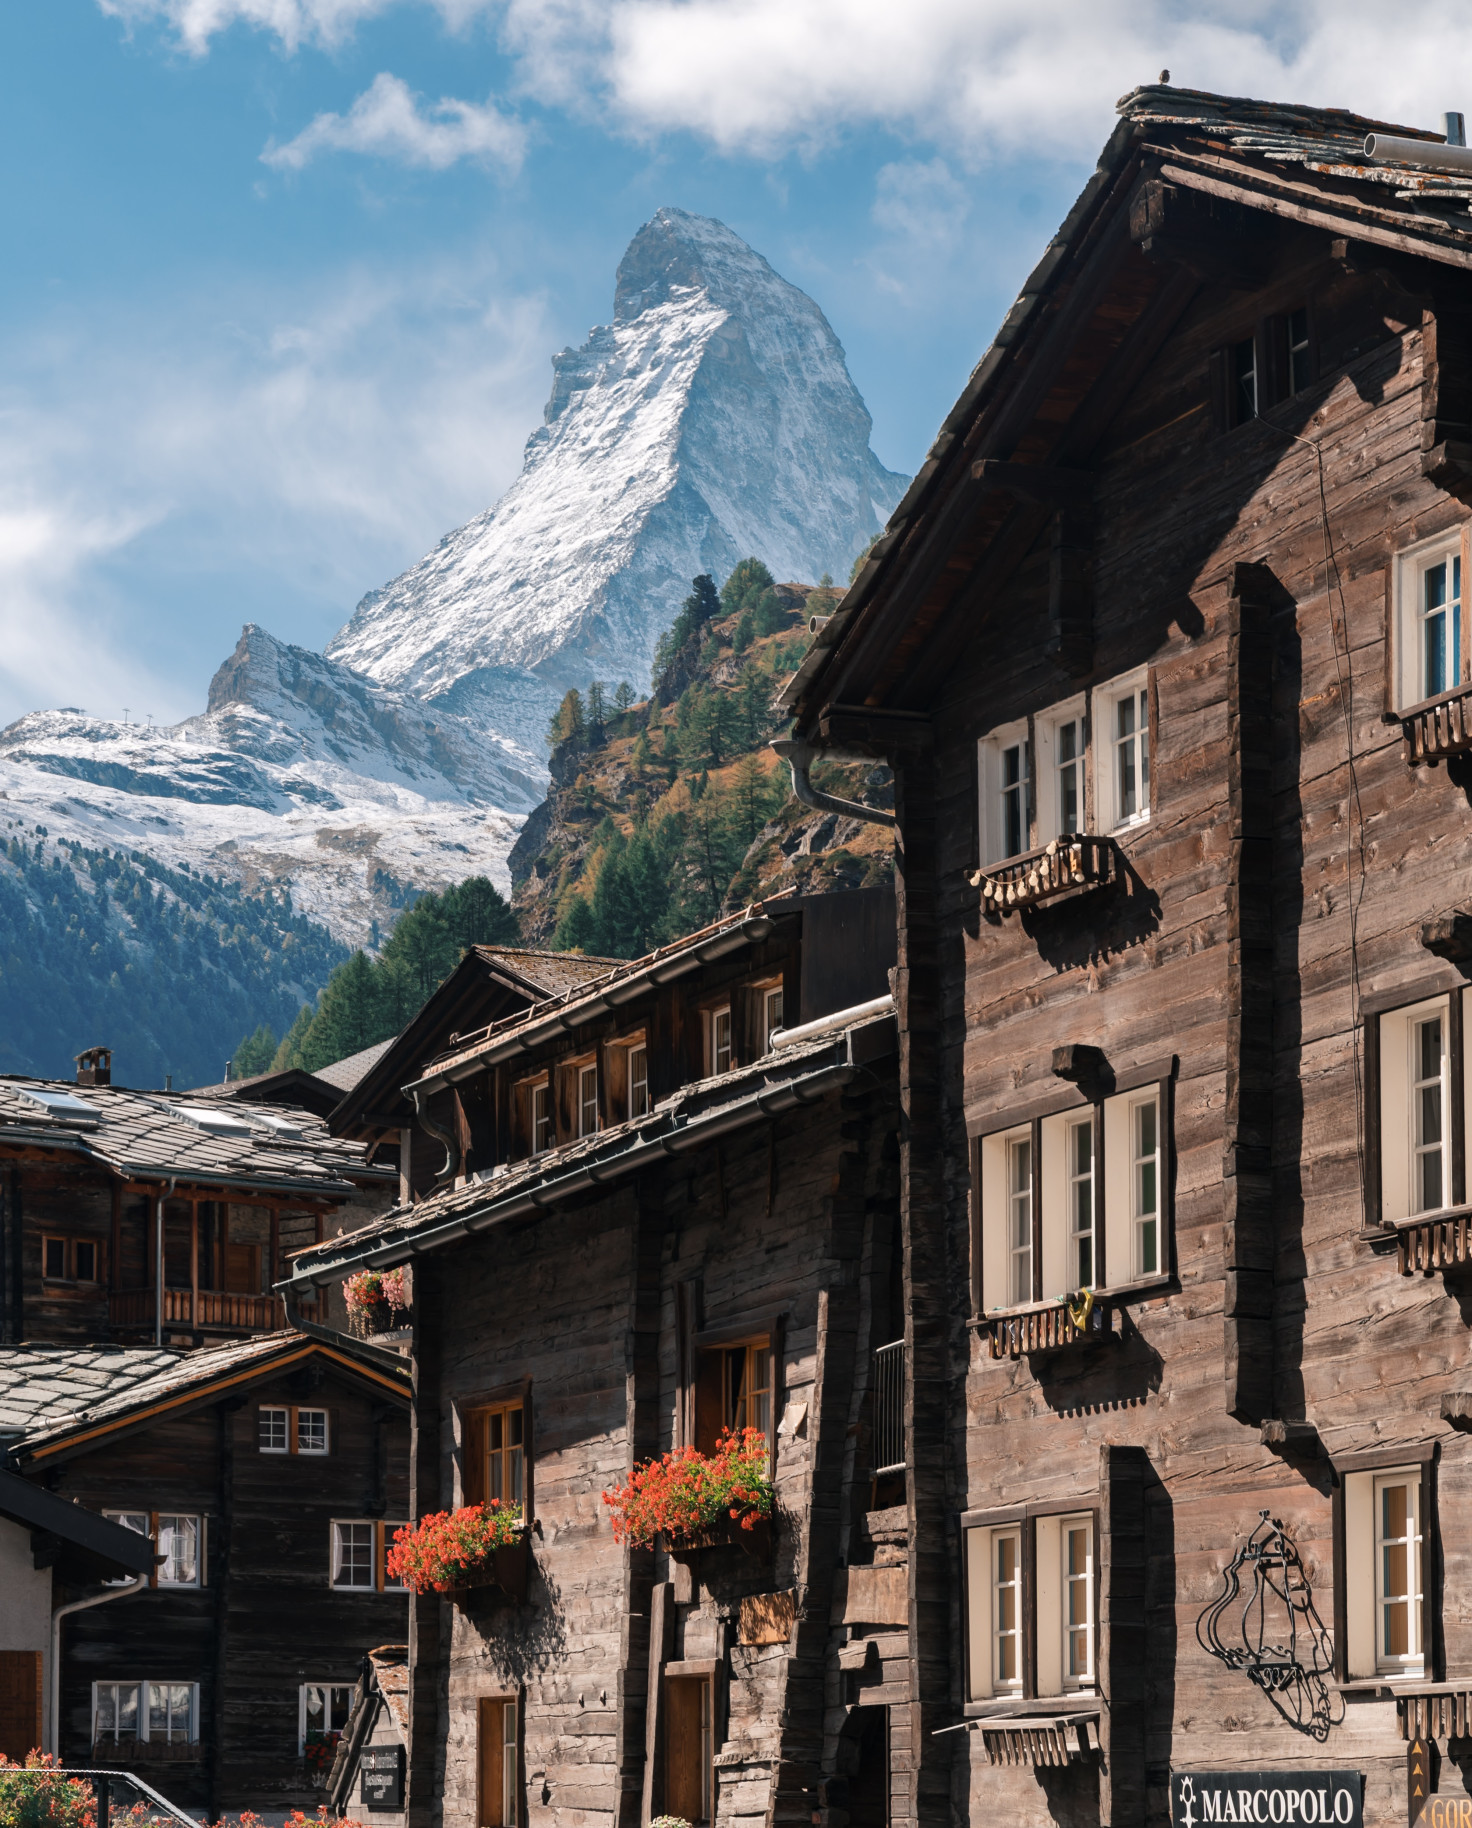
[(20, 1703), (496, 1764), (687, 1747)]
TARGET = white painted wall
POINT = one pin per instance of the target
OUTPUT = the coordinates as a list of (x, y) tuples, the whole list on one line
[(25, 1616)]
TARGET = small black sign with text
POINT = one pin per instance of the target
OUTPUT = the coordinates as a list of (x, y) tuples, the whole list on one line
[(1286, 1799), (383, 1777)]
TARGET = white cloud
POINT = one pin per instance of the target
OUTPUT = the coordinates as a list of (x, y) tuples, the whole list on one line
[(923, 203), (172, 473), (389, 121), (977, 76)]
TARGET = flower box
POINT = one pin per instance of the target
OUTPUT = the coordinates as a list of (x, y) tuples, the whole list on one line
[(460, 1552), (727, 1533), (376, 1301), (507, 1569), (692, 1500)]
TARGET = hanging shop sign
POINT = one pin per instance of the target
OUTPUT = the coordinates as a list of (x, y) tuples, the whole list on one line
[(383, 1777), (1286, 1799)]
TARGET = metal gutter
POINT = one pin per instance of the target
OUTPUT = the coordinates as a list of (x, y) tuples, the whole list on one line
[(678, 1134), (841, 1018), (799, 757), (531, 1033)]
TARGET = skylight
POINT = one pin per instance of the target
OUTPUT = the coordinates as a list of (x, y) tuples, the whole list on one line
[(217, 1122), (63, 1105), (281, 1126)]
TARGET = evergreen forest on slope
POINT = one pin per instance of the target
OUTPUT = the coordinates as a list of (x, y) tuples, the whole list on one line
[(664, 812), (111, 948)]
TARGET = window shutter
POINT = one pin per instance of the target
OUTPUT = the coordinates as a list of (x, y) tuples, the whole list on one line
[(613, 1085), (1048, 1587), (687, 1324), (1051, 1194), (994, 1288), (473, 1456), (565, 1091), (1358, 1574), (978, 1614), (710, 1413), (1119, 1243), (747, 1040)]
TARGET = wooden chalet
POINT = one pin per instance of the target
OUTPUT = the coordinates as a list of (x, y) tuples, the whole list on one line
[(1169, 647), (664, 1204), (267, 1475), (133, 1216), (490, 984)]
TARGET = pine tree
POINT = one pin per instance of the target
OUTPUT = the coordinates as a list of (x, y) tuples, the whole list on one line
[(255, 1053), (574, 926), (749, 580), (623, 697), (567, 723), (289, 1053), (597, 714)]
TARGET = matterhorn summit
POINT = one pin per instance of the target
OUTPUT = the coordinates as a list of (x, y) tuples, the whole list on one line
[(712, 419)]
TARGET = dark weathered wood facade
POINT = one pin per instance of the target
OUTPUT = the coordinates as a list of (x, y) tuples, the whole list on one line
[(1192, 503), (749, 1202), (90, 1173), (263, 1614)]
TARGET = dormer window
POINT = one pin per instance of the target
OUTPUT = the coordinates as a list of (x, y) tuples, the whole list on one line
[(587, 1100), (541, 1115), (719, 1060), (638, 1081)]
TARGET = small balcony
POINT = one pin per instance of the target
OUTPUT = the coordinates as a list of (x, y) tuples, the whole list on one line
[(1441, 727), (1427, 1245), (1078, 1321), (1062, 868), (888, 1441), (206, 1311)]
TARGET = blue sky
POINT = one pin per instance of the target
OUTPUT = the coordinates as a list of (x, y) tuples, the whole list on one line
[(283, 277)]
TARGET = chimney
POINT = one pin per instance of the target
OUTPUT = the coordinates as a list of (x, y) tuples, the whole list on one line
[(1455, 126), (94, 1067)]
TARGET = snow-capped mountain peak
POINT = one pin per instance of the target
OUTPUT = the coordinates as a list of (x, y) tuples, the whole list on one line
[(712, 419)]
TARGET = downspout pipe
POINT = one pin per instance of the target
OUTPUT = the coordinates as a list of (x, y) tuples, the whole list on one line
[(53, 1723), (452, 1148), (800, 757), (158, 1266)]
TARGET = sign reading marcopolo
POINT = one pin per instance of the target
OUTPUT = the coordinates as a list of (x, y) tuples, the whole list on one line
[(1278, 1797)]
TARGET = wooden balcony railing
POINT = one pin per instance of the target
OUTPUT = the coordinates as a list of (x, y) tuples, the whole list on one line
[(1440, 727), (1427, 1245), (215, 1311), (1046, 1329), (1064, 866)]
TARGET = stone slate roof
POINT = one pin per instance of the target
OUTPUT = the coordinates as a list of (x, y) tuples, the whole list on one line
[(180, 1374), (40, 1385), (147, 1135), (553, 973), (778, 1081), (390, 1664), (344, 1074)]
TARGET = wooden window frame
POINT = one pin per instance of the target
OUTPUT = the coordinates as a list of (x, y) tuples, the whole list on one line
[(381, 1544), (766, 990), (1138, 683), (500, 1699), (697, 1339), (990, 746), (709, 1017), (69, 1240), (1403, 694), (1422, 1454), (1068, 1102), (581, 1070), (1025, 1518), (1048, 817), (474, 1413), (524, 1107), (1272, 366)]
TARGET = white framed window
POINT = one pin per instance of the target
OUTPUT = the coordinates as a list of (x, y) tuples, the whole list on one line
[(587, 1100), (178, 1538), (1031, 1580), (1007, 1623), (541, 1117), (1383, 1585), (359, 1549), (311, 1431), (322, 1711), (771, 1016), (1145, 1186), (1419, 1072), (639, 1081), (1019, 1218), (178, 1543), (1079, 1165), (1122, 746), (352, 1555), (165, 1713), (115, 1711), (286, 1429), (1004, 792), (1429, 614), (1062, 769), (719, 1052)]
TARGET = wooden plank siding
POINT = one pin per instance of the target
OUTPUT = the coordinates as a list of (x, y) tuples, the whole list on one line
[(265, 1618)]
